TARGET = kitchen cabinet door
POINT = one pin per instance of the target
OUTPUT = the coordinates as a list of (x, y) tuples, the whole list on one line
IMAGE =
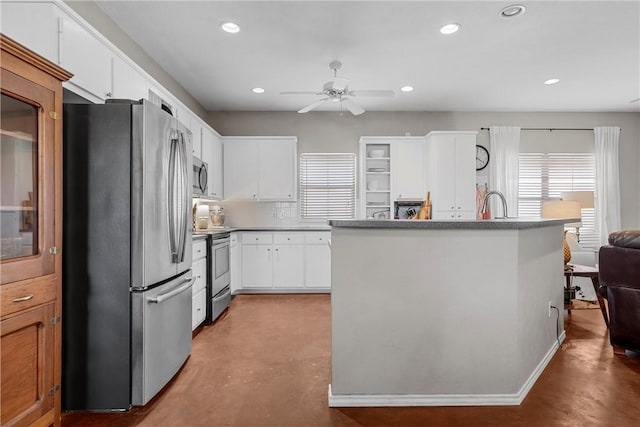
[(34, 25), (216, 172), (87, 58), (288, 266), (240, 169), (465, 167), (127, 82), (198, 308), (277, 169), (257, 269), (408, 169), (317, 266)]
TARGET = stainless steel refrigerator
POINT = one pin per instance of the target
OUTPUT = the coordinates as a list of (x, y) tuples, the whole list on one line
[(126, 253)]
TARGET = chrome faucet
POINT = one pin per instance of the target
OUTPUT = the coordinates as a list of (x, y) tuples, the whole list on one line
[(486, 201)]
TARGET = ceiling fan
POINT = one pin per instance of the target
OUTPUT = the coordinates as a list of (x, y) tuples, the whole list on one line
[(337, 90)]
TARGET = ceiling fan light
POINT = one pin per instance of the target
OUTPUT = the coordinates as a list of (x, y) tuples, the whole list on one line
[(406, 89), (230, 27), (450, 28), (257, 90)]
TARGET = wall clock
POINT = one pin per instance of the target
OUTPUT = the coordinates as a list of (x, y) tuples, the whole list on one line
[(482, 157)]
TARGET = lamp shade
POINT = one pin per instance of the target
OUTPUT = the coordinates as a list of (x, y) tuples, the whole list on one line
[(585, 198), (561, 209)]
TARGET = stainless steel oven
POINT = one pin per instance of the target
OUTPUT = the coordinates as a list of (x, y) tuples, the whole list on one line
[(220, 275)]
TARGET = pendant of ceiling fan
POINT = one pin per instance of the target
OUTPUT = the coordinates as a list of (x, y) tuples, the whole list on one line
[(337, 90)]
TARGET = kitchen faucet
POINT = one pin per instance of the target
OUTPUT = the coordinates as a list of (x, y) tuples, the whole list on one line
[(486, 201)]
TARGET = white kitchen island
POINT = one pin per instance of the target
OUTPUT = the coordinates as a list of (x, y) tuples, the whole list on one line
[(440, 313)]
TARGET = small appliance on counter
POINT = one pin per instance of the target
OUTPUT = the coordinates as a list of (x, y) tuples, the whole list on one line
[(406, 209), (216, 215)]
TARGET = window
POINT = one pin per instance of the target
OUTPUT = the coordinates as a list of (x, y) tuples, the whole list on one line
[(543, 176), (328, 185)]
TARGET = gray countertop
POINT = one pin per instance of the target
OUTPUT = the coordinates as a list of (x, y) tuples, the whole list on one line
[(489, 224), (266, 229)]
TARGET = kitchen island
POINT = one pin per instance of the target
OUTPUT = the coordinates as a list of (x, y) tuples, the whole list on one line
[(439, 313)]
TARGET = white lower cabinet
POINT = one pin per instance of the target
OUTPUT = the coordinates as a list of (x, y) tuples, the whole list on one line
[(198, 290), (282, 262)]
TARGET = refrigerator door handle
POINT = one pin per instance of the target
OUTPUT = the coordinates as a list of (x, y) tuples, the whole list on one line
[(163, 297), (183, 207), (173, 226)]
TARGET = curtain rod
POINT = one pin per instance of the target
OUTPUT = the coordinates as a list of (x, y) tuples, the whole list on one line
[(550, 129)]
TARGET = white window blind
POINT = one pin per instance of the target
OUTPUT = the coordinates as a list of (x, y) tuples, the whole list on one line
[(327, 185), (543, 176)]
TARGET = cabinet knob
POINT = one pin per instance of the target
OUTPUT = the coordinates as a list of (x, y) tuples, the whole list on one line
[(399, 195), (254, 195), (453, 216), (289, 195), (276, 249), (256, 238), (108, 94), (458, 207), (453, 207), (268, 250)]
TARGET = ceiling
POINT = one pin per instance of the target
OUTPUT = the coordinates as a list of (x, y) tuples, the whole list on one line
[(491, 64)]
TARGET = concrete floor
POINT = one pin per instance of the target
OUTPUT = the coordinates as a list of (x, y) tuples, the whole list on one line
[(267, 362)]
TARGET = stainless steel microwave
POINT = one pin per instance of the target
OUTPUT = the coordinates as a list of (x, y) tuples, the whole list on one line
[(200, 177)]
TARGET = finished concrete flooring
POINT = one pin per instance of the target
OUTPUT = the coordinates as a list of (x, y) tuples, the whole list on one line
[(267, 362)]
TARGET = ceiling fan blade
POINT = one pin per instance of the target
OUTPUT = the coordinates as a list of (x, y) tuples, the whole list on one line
[(355, 109), (312, 105), (340, 83), (383, 93), (301, 93)]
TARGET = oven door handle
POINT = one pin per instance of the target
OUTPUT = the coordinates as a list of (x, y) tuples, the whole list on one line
[(163, 297), (221, 296)]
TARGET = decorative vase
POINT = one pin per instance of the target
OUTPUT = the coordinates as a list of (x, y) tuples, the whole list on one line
[(567, 250)]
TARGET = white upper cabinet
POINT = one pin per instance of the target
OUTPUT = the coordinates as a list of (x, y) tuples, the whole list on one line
[(277, 169), (260, 168), (34, 25), (128, 83), (451, 174), (240, 169), (87, 58), (212, 154), (408, 169)]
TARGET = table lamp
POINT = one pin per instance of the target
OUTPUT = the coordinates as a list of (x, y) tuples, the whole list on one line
[(562, 209), (586, 200)]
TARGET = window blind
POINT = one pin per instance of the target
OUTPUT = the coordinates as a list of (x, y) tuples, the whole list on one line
[(543, 176), (327, 185)]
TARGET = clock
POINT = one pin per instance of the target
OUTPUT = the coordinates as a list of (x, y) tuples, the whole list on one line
[(482, 157)]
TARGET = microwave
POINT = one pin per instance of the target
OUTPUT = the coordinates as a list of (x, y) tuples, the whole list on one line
[(200, 177)]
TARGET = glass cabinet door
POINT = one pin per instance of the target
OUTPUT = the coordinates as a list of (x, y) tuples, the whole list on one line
[(19, 190), (27, 179)]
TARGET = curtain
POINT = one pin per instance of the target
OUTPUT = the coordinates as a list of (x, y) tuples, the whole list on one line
[(607, 180), (504, 174)]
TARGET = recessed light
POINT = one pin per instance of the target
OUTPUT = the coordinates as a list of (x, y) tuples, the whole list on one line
[(512, 11), (258, 90), (230, 27), (406, 88), (551, 81), (450, 28)]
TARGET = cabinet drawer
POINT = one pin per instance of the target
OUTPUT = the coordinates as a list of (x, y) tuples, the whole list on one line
[(320, 237), (199, 249), (288, 238), (199, 271), (257, 238), (20, 296)]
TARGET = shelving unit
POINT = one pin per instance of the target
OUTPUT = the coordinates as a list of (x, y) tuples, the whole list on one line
[(376, 178)]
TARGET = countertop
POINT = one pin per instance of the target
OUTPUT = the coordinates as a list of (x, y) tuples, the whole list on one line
[(488, 224), (205, 232)]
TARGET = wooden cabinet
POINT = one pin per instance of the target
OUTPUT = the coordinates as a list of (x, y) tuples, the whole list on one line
[(451, 174), (31, 236), (260, 168)]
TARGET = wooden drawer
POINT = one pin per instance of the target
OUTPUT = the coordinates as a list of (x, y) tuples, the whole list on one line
[(199, 249), (288, 238), (21, 296), (319, 238), (257, 238)]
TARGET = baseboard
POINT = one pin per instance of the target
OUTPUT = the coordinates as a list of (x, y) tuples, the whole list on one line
[(282, 291), (365, 400)]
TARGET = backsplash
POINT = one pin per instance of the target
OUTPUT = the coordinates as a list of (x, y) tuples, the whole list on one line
[(262, 214)]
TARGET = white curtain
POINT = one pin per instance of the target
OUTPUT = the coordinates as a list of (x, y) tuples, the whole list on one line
[(503, 172), (607, 180)]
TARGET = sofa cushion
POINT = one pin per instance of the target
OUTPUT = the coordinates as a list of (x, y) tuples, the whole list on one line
[(625, 239)]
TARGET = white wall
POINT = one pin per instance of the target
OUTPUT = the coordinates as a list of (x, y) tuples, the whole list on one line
[(330, 132)]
